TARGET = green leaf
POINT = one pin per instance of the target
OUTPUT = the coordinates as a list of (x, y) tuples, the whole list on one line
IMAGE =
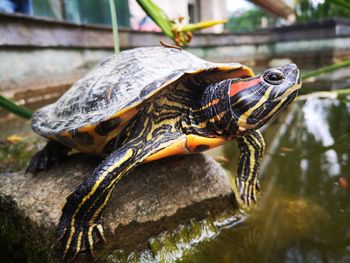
[(158, 16)]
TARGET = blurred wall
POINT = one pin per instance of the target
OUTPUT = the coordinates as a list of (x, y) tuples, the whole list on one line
[(41, 58), (192, 10), (214, 10)]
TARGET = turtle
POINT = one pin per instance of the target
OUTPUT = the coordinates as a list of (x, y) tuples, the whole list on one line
[(149, 103)]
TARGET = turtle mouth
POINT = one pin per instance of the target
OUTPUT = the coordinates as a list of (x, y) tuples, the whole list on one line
[(287, 95)]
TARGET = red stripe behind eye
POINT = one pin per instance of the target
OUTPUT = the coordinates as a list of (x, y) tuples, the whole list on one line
[(241, 85)]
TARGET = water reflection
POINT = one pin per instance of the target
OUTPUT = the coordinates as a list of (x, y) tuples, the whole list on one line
[(315, 115), (316, 122), (303, 214)]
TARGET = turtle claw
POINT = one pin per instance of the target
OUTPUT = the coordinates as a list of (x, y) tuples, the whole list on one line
[(38, 162), (52, 154), (247, 192), (72, 246), (78, 239)]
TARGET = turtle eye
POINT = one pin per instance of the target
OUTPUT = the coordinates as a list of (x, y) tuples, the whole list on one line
[(273, 76)]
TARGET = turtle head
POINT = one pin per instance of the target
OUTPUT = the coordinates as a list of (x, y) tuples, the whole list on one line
[(254, 101)]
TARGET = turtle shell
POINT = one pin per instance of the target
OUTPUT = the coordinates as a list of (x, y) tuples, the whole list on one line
[(106, 96)]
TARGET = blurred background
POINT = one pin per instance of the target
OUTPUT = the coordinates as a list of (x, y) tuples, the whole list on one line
[(46, 45), (54, 42)]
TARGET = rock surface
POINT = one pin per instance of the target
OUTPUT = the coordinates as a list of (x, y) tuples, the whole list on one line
[(155, 197)]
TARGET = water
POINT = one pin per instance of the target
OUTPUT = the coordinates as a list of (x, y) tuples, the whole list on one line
[(303, 214), (304, 211)]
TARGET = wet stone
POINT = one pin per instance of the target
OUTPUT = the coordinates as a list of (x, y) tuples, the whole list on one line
[(154, 198)]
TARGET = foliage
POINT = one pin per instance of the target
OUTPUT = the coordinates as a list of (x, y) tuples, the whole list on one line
[(179, 32), (249, 20), (14, 156), (95, 12), (306, 10), (157, 15)]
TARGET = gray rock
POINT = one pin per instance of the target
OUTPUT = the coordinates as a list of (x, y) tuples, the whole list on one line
[(155, 197)]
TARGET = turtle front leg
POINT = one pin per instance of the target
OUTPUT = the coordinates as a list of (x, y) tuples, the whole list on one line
[(80, 223), (252, 147), (81, 215), (53, 153)]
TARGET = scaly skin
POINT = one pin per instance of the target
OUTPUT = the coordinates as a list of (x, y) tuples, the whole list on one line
[(81, 216), (189, 116), (145, 135), (252, 148)]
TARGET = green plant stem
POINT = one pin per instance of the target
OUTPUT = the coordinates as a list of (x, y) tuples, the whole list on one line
[(114, 26), (326, 69), (334, 94), (342, 92), (11, 106), (158, 16)]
